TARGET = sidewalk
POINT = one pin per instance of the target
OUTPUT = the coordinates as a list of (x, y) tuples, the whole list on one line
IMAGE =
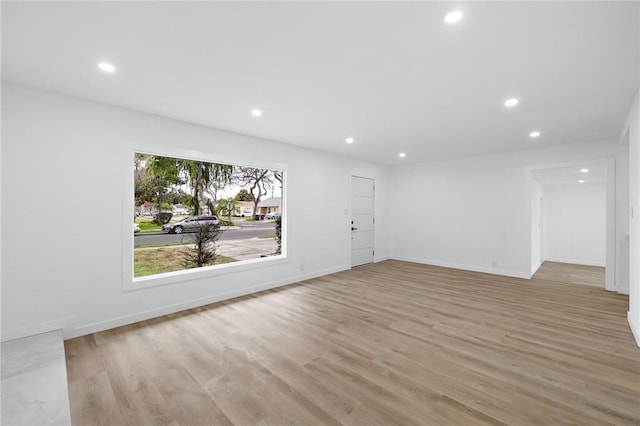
[(241, 249), (249, 248), (224, 228)]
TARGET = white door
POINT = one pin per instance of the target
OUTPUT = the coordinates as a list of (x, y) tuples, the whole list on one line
[(362, 195)]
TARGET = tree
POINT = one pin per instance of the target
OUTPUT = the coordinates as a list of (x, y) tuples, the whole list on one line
[(177, 196), (199, 175), (244, 195), (222, 207), (202, 250), (277, 174), (160, 173), (222, 177), (258, 180), (204, 177)]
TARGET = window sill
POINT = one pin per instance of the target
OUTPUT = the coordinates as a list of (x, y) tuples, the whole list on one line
[(176, 277)]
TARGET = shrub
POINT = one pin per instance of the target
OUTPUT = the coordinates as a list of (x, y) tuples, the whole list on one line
[(278, 226), (163, 217), (202, 249), (226, 222)]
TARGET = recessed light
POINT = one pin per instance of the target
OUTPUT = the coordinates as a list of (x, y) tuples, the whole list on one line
[(256, 112), (453, 16), (402, 155), (106, 67), (511, 102), (349, 140), (534, 134), (581, 181), (584, 170)]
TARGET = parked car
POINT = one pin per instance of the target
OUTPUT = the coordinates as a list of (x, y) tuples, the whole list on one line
[(244, 212), (190, 224), (136, 228), (272, 216)]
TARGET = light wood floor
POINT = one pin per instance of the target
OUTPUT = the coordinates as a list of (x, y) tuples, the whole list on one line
[(572, 274), (392, 343)]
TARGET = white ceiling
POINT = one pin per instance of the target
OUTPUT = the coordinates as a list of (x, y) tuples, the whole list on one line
[(596, 174), (392, 75)]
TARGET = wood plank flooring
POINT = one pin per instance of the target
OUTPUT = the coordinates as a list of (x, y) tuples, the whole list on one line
[(392, 343), (572, 274)]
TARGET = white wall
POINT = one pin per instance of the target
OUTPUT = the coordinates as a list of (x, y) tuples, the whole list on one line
[(62, 228), (622, 218), (537, 242), (575, 223), (475, 213), (633, 124)]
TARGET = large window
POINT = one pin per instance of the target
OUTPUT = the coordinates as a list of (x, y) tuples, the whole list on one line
[(192, 214)]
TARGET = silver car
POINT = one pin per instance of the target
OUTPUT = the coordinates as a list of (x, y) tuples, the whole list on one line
[(190, 224), (273, 216)]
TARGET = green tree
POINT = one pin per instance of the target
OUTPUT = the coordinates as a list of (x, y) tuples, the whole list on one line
[(176, 196), (222, 207), (244, 195), (154, 177), (199, 175)]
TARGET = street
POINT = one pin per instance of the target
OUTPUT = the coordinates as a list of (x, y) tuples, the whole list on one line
[(246, 230)]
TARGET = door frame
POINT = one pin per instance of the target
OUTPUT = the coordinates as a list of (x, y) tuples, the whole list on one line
[(349, 213), (610, 258)]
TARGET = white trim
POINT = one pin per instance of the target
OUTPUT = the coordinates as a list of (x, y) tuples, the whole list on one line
[(610, 256), (635, 329), (535, 268), (463, 267), (200, 273), (131, 283), (43, 327), (575, 262), (133, 146), (381, 258), (154, 313)]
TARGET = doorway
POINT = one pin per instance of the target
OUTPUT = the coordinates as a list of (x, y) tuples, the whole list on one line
[(362, 220), (571, 221)]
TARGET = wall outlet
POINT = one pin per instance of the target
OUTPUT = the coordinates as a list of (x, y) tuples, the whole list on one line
[(494, 263), (302, 266)]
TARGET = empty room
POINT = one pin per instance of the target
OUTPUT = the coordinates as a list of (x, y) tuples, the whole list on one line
[(320, 213)]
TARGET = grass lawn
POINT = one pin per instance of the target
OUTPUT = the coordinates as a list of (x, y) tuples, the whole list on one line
[(150, 262), (166, 244), (147, 225)]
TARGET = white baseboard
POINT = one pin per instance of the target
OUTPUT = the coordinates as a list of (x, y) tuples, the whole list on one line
[(33, 329), (575, 262), (380, 259), (635, 328), (154, 313), (464, 267)]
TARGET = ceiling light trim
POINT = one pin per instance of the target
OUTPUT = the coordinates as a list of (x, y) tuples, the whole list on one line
[(107, 67), (453, 16)]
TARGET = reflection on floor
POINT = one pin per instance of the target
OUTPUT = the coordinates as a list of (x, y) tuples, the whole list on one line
[(573, 274), (34, 381)]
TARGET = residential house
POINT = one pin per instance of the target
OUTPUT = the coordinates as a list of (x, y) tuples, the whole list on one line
[(244, 208), (181, 209), (270, 205)]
